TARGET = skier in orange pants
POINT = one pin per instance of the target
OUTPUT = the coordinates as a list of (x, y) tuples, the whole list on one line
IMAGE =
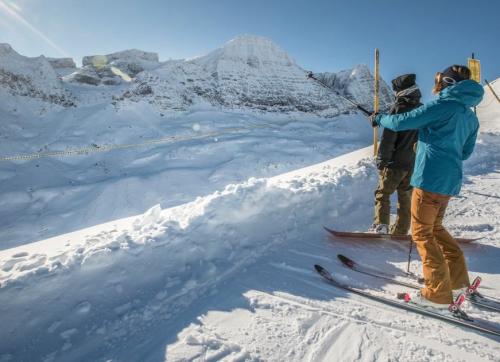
[(447, 135), (443, 261)]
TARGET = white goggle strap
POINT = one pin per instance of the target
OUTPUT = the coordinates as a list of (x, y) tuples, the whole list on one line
[(448, 80)]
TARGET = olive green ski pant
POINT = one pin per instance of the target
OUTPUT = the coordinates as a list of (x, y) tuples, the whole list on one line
[(390, 181)]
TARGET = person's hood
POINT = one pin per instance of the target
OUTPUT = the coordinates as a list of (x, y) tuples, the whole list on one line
[(467, 92)]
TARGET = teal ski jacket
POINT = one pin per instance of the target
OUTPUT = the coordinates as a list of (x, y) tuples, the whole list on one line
[(447, 136)]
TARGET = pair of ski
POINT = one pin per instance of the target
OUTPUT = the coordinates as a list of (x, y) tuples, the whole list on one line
[(471, 294), (456, 315)]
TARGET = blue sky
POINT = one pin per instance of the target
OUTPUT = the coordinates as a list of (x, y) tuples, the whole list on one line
[(421, 36)]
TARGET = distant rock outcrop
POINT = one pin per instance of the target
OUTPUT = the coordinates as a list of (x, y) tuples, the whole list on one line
[(115, 68), (62, 66), (58, 63)]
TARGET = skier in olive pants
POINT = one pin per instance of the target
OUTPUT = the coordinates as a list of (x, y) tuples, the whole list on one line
[(395, 161)]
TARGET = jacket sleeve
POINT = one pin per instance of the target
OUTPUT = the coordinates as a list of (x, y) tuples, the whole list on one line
[(418, 118), (469, 144)]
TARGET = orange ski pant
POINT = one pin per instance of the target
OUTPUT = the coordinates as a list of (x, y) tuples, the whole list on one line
[(443, 261)]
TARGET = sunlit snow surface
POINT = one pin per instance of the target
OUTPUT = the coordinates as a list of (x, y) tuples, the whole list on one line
[(219, 267)]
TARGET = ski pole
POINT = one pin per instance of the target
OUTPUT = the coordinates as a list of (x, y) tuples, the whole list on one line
[(492, 90), (409, 256), (359, 107)]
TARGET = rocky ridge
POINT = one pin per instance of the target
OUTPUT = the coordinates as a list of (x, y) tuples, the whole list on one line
[(248, 73)]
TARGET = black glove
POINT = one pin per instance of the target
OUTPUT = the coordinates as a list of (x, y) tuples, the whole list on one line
[(372, 119)]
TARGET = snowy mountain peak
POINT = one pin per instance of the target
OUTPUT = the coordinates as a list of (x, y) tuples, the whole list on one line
[(251, 47), (248, 72), (12, 61), (246, 50), (360, 70)]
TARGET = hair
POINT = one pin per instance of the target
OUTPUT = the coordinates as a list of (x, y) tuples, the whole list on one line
[(460, 70)]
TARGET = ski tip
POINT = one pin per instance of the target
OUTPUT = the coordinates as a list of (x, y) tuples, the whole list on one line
[(330, 230), (323, 272), (318, 268), (345, 260)]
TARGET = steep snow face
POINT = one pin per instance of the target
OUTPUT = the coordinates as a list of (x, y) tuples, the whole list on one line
[(247, 72), (358, 84), (30, 77)]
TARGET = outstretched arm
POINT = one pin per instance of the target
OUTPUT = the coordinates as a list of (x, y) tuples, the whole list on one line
[(418, 118)]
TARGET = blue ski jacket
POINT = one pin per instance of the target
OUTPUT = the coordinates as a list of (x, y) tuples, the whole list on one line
[(447, 135)]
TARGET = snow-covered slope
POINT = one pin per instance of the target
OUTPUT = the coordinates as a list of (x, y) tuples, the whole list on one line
[(357, 83), (28, 78), (206, 151), (228, 276)]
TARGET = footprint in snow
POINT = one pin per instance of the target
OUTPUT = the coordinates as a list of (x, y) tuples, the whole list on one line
[(15, 259), (33, 264), (53, 327), (20, 255), (83, 308)]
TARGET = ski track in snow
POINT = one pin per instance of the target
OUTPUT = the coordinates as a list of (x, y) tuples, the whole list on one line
[(186, 283), (228, 276)]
